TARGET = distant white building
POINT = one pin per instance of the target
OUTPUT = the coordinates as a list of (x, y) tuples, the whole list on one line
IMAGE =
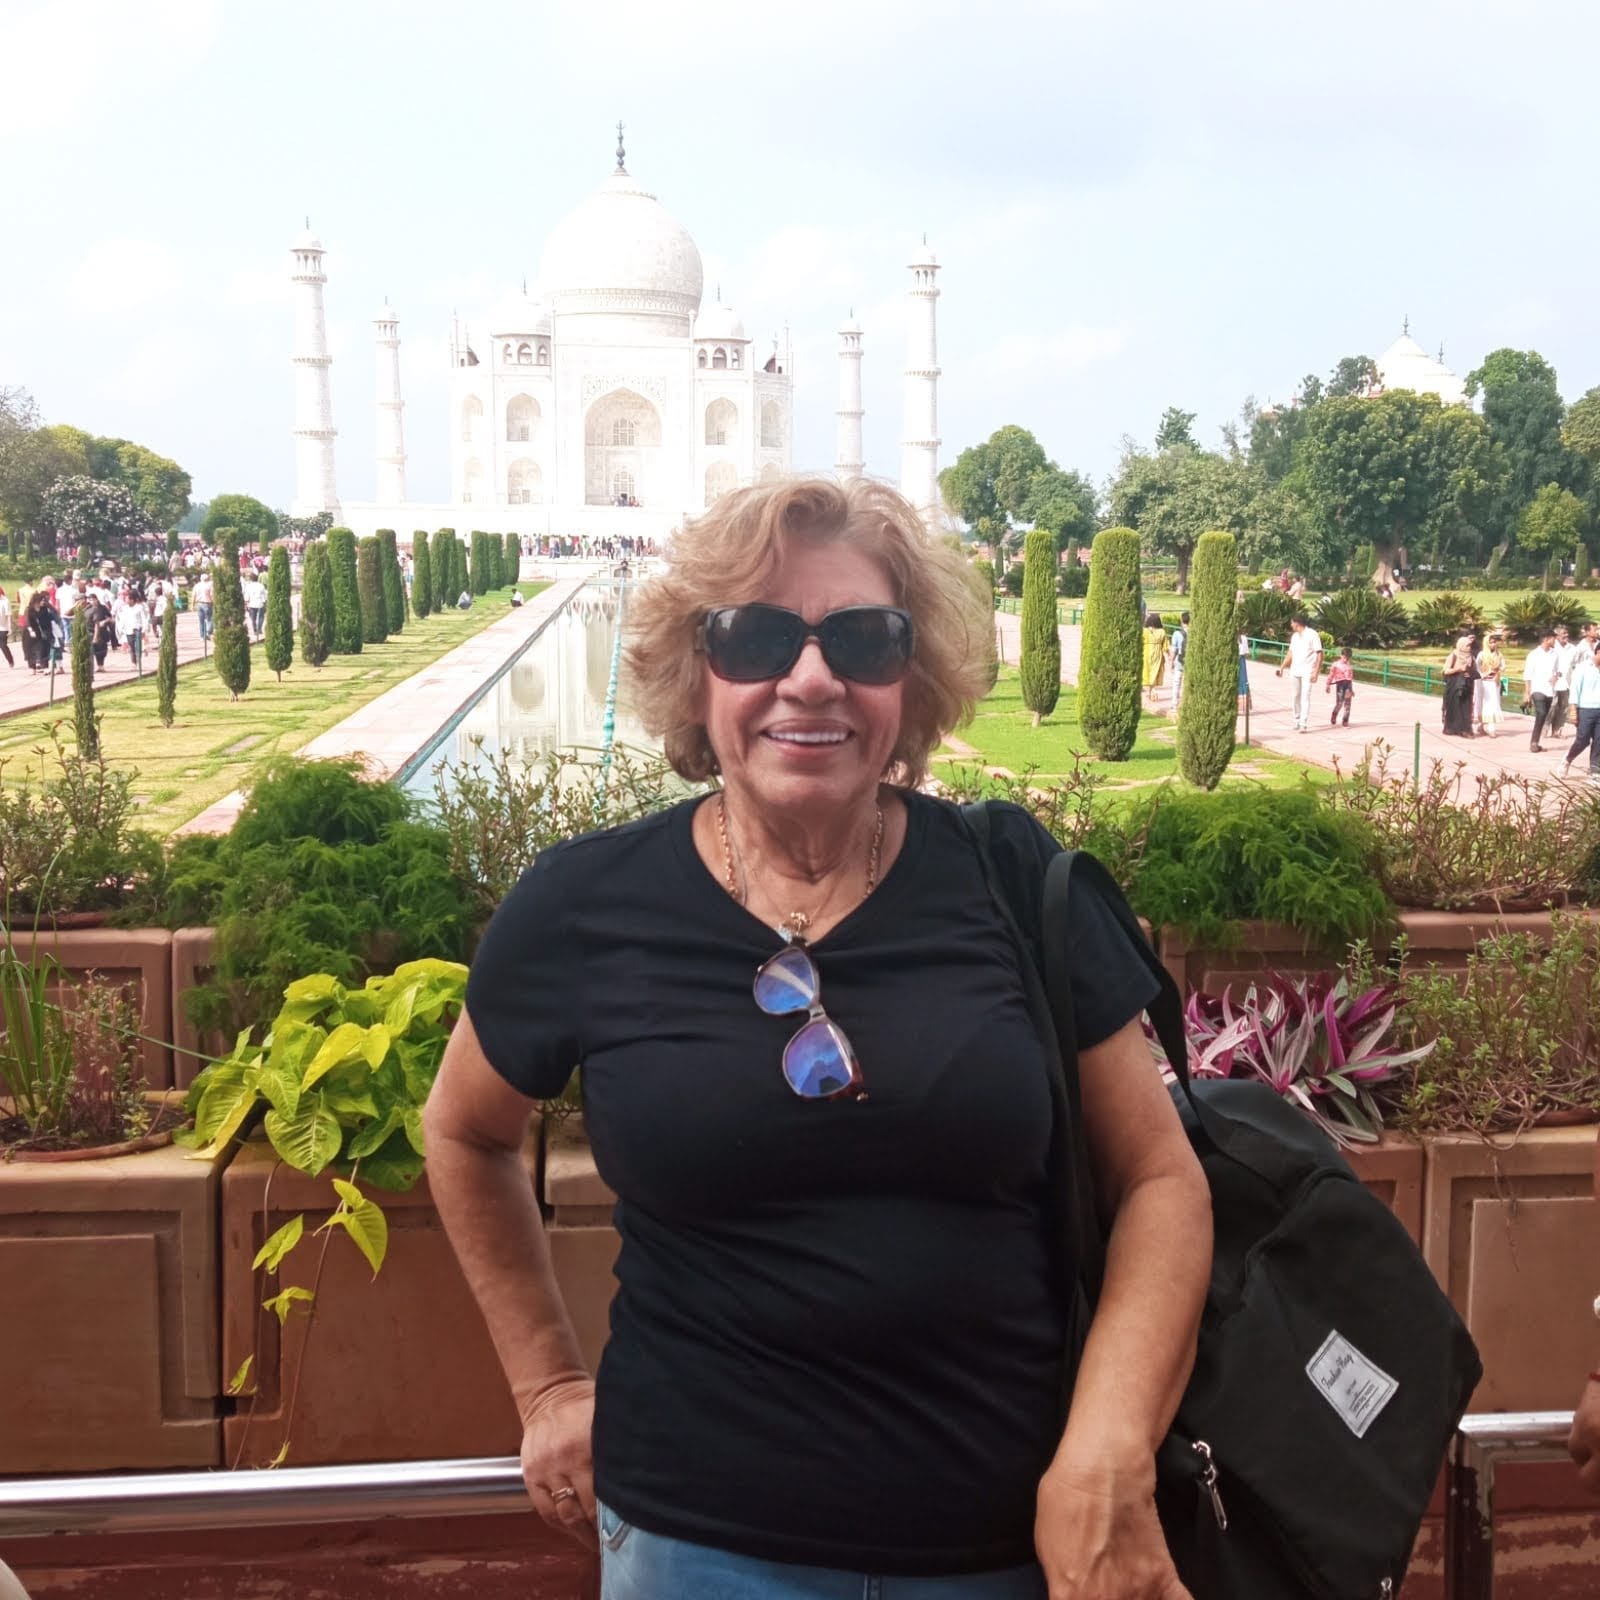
[(1406, 365), (607, 401)]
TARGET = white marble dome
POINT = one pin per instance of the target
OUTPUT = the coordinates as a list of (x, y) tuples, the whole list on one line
[(721, 323), (519, 314), (622, 250)]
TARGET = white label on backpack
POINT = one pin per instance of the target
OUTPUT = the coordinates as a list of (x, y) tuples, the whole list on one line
[(1351, 1384)]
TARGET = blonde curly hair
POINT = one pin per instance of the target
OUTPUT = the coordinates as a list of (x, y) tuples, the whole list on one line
[(727, 557)]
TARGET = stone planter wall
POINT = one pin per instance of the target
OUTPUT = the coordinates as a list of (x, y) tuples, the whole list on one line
[(1393, 1170), (1512, 1231), (1263, 947), (1447, 938), (141, 958), (108, 1273), (191, 964), (397, 1367)]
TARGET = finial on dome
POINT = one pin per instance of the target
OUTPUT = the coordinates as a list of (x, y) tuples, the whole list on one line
[(621, 153), (1405, 323), (1441, 352), (308, 224), (524, 283)]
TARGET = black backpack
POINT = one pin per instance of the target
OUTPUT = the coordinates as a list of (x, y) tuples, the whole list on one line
[(1332, 1370)]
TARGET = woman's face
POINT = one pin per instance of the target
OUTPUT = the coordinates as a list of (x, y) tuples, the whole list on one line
[(756, 729)]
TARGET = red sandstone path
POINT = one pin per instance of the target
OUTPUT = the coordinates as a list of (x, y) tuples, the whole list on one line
[(1392, 715), (21, 690)]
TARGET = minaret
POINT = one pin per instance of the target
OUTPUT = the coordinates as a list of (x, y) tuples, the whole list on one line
[(919, 446), (390, 434), (314, 486), (849, 456)]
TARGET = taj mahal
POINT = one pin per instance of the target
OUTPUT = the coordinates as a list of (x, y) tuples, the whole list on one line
[(610, 400)]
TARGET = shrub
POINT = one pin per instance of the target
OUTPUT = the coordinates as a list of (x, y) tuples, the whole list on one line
[(369, 586), (444, 596), (1264, 614), (1209, 711), (1041, 642), (1362, 619), (394, 584), (985, 573), (1552, 572), (1073, 582), (316, 606), (511, 563), (280, 617), (231, 642), (421, 575), (167, 677), (1212, 861), (1011, 580), (1112, 657), (347, 630), (1528, 615), (1444, 618), (85, 725)]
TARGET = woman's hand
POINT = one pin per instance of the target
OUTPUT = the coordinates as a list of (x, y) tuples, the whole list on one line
[(1098, 1537), (556, 1457), (1583, 1444)]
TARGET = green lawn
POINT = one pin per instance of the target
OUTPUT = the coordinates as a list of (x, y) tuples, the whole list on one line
[(1003, 735), (214, 743)]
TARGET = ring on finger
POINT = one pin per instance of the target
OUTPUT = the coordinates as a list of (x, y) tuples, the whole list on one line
[(564, 1493)]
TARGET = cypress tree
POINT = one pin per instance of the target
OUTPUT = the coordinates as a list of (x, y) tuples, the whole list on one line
[(346, 595), (421, 575), (1552, 572), (394, 584), (85, 725), (512, 546), (1113, 652), (1210, 663), (443, 596), (167, 676), (316, 606), (280, 618), (475, 563), (369, 585), (231, 645), (494, 553), (1041, 644)]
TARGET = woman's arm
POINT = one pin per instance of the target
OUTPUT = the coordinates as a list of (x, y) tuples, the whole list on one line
[(1097, 1530), (474, 1125)]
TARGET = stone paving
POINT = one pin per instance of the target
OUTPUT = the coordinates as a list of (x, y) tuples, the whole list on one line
[(1401, 718)]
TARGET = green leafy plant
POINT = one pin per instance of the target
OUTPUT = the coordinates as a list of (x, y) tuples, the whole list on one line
[(1499, 842), (1264, 614), (1528, 615), (1209, 711), (1363, 619), (369, 585), (167, 676), (1212, 861), (1041, 640), (1443, 618), (280, 619), (338, 1082), (347, 630), (1515, 1036), (316, 606), (1109, 677), (421, 575)]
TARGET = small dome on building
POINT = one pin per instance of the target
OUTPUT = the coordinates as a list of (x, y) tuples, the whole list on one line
[(851, 324), (519, 314), (722, 323), (307, 241), (1406, 365), (922, 256), (386, 313), (620, 245)]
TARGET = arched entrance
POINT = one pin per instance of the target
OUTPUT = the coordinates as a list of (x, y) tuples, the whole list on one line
[(621, 449)]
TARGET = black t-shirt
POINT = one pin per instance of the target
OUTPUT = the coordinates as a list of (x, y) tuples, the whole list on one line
[(836, 1338)]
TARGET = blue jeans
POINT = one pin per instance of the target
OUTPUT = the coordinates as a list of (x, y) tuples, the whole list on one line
[(1588, 738), (636, 1565), (204, 614)]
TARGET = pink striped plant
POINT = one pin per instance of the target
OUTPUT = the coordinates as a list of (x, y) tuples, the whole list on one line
[(1312, 1038)]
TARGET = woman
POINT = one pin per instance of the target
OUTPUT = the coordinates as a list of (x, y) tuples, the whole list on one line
[(103, 631), (1155, 654), (1459, 676), (838, 1346), (39, 629), (133, 624), (1491, 665), (5, 628)]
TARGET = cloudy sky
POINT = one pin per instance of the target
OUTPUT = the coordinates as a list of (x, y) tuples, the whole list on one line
[(1137, 204)]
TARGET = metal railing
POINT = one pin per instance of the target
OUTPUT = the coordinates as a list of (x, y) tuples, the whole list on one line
[(1480, 1443)]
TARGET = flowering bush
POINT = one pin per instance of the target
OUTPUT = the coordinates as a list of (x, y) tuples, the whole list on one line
[(1315, 1038)]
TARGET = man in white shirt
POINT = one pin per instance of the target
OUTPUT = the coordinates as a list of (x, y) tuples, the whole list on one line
[(1539, 684), (1566, 659), (1303, 658), (202, 604), (255, 601)]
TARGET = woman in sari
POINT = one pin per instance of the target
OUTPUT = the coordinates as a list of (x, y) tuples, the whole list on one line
[(1155, 655)]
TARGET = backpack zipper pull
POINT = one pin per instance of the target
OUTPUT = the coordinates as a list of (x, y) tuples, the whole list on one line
[(1208, 1481)]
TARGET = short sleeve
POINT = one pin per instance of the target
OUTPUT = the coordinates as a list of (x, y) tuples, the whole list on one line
[(1111, 982), (523, 988)]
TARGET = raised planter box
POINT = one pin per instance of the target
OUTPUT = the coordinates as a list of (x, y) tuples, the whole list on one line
[(1263, 947), (394, 1368), (191, 965), (583, 1241), (1447, 938), (1393, 1170), (1512, 1231), (140, 958), (108, 1276)]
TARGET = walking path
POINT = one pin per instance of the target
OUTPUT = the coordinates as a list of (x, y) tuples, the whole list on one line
[(22, 690), (1401, 718)]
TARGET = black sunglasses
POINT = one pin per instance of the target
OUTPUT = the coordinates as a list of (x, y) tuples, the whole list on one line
[(751, 643)]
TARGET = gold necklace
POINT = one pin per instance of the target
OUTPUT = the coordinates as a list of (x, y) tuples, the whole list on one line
[(795, 924)]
